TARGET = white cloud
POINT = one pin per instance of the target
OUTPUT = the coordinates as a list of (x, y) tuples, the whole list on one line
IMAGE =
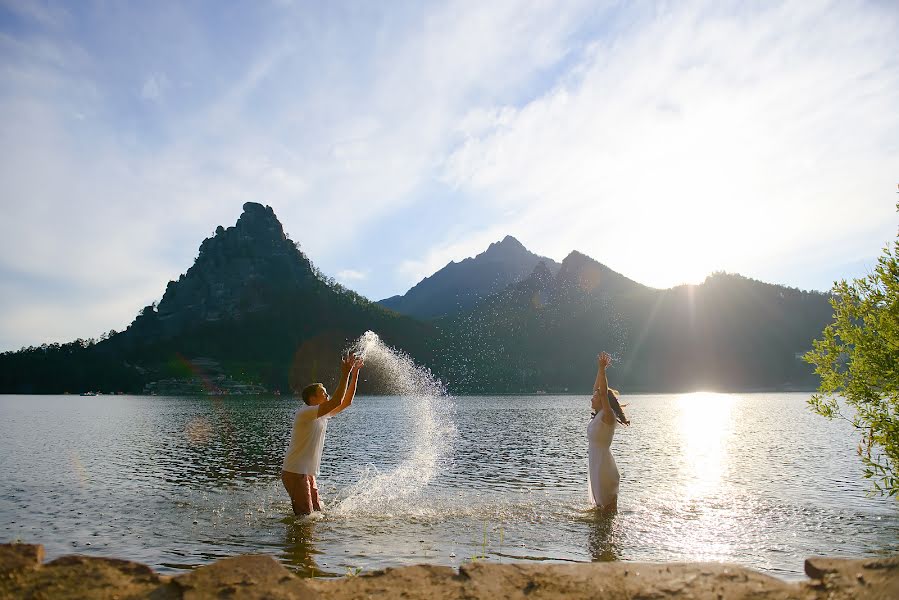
[(28, 319), (102, 197), (351, 275), (383, 132), (632, 143), (154, 87), (702, 140)]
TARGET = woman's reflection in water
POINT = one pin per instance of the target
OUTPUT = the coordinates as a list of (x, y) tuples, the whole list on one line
[(299, 550), (602, 536)]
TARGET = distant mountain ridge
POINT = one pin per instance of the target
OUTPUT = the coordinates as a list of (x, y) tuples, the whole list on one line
[(504, 321), (543, 333), (458, 287)]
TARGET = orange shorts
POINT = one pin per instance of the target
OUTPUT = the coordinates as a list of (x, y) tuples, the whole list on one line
[(303, 492)]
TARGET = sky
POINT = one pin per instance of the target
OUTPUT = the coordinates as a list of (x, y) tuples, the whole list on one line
[(666, 140)]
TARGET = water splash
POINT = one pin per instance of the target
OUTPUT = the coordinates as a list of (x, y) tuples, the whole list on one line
[(427, 406)]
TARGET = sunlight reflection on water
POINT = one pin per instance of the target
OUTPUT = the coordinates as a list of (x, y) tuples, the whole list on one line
[(704, 424)]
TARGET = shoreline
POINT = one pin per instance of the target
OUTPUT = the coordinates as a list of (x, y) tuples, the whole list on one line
[(24, 574)]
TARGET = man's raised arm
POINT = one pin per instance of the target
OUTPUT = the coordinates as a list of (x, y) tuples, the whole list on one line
[(351, 388), (346, 365)]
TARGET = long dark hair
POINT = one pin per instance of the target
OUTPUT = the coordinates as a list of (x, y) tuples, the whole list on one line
[(616, 408)]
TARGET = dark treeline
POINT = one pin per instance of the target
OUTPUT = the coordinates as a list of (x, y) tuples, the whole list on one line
[(76, 366)]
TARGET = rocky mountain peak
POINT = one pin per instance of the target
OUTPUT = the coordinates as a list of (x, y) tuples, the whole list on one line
[(258, 232), (507, 248), (580, 272), (239, 270), (539, 281), (542, 272), (258, 221), (458, 287), (576, 259)]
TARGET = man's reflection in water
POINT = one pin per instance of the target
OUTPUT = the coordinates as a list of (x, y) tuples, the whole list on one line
[(299, 550), (602, 538)]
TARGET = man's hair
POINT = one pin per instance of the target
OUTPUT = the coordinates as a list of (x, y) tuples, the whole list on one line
[(310, 390)]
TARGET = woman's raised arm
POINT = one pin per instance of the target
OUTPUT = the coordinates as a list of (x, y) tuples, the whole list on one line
[(600, 399)]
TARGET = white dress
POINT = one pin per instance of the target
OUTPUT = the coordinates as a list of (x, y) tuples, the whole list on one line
[(602, 474)]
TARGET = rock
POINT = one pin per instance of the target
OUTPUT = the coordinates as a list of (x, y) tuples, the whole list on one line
[(420, 582), (20, 557), (489, 581), (251, 576), (818, 567), (256, 576), (87, 577), (621, 580), (849, 578)]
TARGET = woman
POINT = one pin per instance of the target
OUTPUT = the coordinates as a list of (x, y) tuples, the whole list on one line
[(603, 472)]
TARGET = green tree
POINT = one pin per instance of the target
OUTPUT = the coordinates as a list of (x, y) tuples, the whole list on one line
[(858, 359)]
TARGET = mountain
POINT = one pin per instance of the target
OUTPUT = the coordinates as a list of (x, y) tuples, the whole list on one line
[(240, 271), (252, 312), (544, 332), (458, 287)]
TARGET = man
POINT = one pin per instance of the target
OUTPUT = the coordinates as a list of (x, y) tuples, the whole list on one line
[(308, 437)]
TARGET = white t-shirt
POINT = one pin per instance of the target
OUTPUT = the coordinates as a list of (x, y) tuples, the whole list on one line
[(304, 455)]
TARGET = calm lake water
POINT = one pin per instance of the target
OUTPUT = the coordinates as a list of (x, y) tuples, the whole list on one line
[(754, 479)]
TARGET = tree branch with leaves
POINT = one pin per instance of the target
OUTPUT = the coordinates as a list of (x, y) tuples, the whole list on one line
[(858, 360)]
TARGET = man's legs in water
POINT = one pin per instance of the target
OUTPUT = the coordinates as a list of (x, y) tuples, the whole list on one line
[(299, 488), (313, 489)]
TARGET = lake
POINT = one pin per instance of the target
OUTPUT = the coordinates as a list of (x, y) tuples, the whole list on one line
[(176, 482)]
